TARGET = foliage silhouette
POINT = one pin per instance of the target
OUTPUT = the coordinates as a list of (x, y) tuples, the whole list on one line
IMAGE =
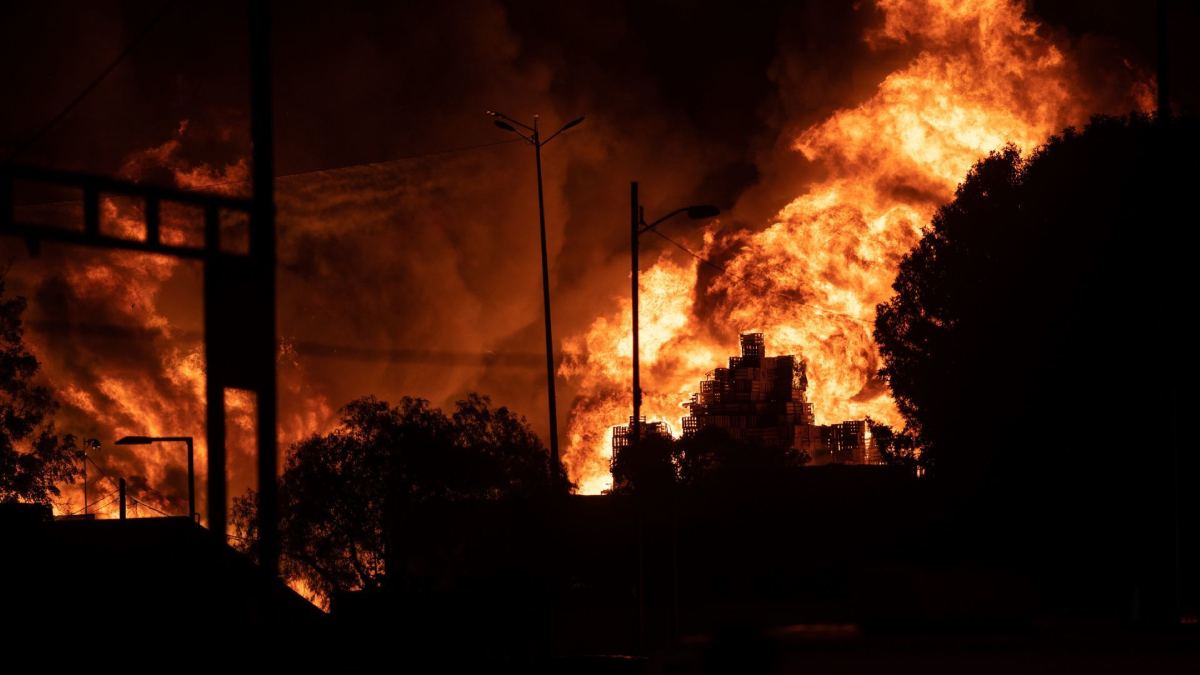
[(34, 458), (713, 458), (896, 448), (646, 467), (1034, 347), (1038, 294), (709, 459), (341, 491)]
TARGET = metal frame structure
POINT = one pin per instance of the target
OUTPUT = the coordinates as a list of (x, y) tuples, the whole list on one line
[(239, 286)]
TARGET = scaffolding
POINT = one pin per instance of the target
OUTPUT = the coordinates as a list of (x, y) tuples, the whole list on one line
[(758, 398), (763, 400)]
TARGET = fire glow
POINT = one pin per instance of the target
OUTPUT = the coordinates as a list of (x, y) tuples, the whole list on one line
[(982, 76), (976, 75)]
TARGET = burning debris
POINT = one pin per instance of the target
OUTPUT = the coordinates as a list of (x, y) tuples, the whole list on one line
[(758, 398), (757, 402), (981, 75), (763, 400)]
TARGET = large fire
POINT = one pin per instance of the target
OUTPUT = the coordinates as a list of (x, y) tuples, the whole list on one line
[(162, 393), (977, 75), (981, 76)]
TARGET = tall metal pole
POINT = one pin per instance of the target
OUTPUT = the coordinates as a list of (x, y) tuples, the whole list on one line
[(214, 403), (537, 150), (634, 218), (262, 247)]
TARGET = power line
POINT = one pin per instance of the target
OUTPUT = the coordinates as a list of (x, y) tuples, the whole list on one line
[(23, 148), (343, 167), (93, 505), (382, 162), (105, 502), (104, 474), (740, 279), (98, 467), (135, 500), (312, 348)]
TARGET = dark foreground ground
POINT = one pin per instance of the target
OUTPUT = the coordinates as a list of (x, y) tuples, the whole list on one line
[(840, 570), (804, 649)]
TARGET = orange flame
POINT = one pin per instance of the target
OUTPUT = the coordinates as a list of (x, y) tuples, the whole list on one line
[(126, 401), (981, 77)]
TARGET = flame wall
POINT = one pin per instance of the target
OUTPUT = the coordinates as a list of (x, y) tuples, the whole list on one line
[(834, 139), (980, 75)]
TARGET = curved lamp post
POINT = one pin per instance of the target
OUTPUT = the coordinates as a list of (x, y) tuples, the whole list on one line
[(147, 440), (533, 138), (638, 227)]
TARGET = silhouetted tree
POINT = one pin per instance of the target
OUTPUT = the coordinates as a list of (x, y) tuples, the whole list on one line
[(34, 458), (341, 491), (1038, 301), (896, 448), (713, 458), (1034, 342), (646, 467)]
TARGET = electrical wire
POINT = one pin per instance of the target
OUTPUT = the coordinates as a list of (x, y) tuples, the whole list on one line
[(319, 349), (135, 500), (98, 467), (105, 502), (129, 47), (103, 497), (297, 174)]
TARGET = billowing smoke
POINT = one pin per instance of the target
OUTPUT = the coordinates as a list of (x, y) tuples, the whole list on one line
[(414, 271)]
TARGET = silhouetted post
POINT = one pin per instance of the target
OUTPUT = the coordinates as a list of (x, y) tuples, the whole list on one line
[(537, 152), (191, 464), (121, 489), (634, 222), (503, 121), (214, 403), (638, 227), (262, 246), (85, 494), (191, 479)]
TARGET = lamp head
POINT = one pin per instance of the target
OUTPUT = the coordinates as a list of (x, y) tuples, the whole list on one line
[(135, 440)]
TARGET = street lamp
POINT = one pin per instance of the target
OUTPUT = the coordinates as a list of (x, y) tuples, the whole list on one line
[(147, 440), (638, 227), (506, 123)]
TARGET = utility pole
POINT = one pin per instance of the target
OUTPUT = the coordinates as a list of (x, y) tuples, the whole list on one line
[(191, 479), (505, 122), (239, 287), (191, 462), (550, 388), (638, 227), (635, 220), (121, 488)]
